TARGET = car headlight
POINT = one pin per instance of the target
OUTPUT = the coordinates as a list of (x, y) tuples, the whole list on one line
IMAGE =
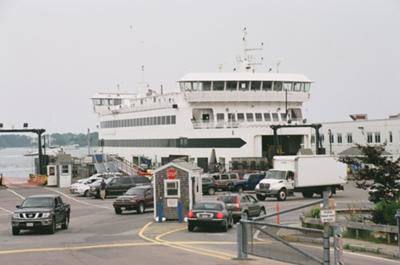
[(46, 215), (16, 215), (257, 187)]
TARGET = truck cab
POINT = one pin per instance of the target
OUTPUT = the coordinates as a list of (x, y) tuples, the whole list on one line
[(277, 183)]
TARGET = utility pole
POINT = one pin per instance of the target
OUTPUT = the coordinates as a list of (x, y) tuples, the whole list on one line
[(326, 256)]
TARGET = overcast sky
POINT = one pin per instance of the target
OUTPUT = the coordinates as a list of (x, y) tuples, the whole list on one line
[(54, 54)]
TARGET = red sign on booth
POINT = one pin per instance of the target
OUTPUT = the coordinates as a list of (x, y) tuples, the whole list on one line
[(171, 173)]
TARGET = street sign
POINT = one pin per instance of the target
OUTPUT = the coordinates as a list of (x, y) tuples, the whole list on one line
[(328, 216)]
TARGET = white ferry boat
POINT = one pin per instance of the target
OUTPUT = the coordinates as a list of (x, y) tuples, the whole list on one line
[(230, 112)]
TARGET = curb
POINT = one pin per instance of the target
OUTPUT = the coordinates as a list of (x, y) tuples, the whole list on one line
[(350, 247)]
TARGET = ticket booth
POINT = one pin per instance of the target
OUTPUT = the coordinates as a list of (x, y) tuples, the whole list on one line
[(52, 176), (59, 175), (177, 187)]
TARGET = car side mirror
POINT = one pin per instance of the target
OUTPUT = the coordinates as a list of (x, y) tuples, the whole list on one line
[(18, 206)]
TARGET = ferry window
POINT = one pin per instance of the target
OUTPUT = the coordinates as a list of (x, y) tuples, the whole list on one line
[(168, 119), (339, 138), (331, 138), (267, 85), (231, 85), (220, 117), (196, 86), (141, 101), (158, 120), (283, 116), (377, 137), (231, 116), (267, 116), (297, 86), (117, 101), (173, 119), (349, 138), (97, 102), (258, 117), (135, 122), (249, 117), (275, 116), (244, 85), (240, 117), (218, 85), (312, 138), (205, 86), (188, 86), (369, 137), (277, 86), (287, 86), (182, 86), (390, 137), (162, 119), (306, 87), (255, 85)]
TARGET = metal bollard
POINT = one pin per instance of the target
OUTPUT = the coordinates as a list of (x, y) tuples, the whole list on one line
[(241, 236), (338, 245)]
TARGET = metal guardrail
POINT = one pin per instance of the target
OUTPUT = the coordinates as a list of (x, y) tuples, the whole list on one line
[(279, 242)]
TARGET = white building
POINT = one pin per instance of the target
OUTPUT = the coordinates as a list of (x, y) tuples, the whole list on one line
[(337, 137)]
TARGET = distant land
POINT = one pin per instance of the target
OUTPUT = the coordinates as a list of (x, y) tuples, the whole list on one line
[(55, 139)]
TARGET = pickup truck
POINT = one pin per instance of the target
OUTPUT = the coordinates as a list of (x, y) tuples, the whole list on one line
[(41, 211)]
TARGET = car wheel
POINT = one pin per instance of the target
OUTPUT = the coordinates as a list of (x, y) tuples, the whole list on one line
[(240, 189), (225, 226), (282, 195), (65, 224), (117, 210), (262, 212), (260, 197), (15, 231), (86, 194), (190, 227), (211, 191), (140, 208), (52, 228)]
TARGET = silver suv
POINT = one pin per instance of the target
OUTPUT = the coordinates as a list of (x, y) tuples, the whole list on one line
[(225, 181)]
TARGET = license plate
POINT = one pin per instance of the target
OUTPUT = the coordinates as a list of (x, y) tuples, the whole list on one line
[(123, 208), (204, 216), (29, 224)]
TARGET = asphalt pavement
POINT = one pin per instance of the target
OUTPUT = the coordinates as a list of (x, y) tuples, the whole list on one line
[(97, 236)]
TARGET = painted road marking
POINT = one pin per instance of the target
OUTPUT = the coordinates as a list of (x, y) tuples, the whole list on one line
[(69, 248), (8, 211), (78, 201), (16, 194), (172, 245)]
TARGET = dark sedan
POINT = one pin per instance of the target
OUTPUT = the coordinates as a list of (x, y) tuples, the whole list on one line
[(210, 214)]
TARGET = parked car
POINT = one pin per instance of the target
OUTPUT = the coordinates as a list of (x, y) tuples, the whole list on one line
[(242, 204), (209, 214), (137, 198), (208, 185), (225, 181), (91, 180), (82, 188), (118, 185), (41, 211), (249, 181)]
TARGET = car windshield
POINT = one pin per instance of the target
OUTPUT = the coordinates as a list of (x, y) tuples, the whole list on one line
[(38, 203), (135, 191), (228, 199), (275, 174), (246, 176), (208, 206)]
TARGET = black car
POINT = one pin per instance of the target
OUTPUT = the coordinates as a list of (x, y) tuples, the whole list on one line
[(208, 185), (41, 211), (118, 185), (137, 198), (242, 204), (249, 181), (211, 214)]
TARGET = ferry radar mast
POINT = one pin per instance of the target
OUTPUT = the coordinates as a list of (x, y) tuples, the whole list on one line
[(247, 60)]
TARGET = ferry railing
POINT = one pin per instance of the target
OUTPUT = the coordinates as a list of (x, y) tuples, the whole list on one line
[(125, 166)]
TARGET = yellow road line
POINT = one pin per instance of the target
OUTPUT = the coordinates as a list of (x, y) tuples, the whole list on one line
[(204, 252), (33, 250)]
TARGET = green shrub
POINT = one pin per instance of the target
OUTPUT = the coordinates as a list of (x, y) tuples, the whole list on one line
[(315, 212), (384, 212)]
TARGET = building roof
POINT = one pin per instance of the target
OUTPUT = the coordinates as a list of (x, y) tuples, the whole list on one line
[(182, 164), (244, 76), (355, 151)]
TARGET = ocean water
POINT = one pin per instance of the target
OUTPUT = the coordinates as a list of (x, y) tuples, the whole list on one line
[(14, 164)]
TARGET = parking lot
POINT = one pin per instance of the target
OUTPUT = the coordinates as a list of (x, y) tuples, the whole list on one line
[(97, 235)]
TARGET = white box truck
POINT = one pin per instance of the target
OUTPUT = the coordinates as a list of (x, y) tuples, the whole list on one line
[(307, 174)]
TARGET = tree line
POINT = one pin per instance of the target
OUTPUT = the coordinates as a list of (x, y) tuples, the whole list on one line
[(55, 139)]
